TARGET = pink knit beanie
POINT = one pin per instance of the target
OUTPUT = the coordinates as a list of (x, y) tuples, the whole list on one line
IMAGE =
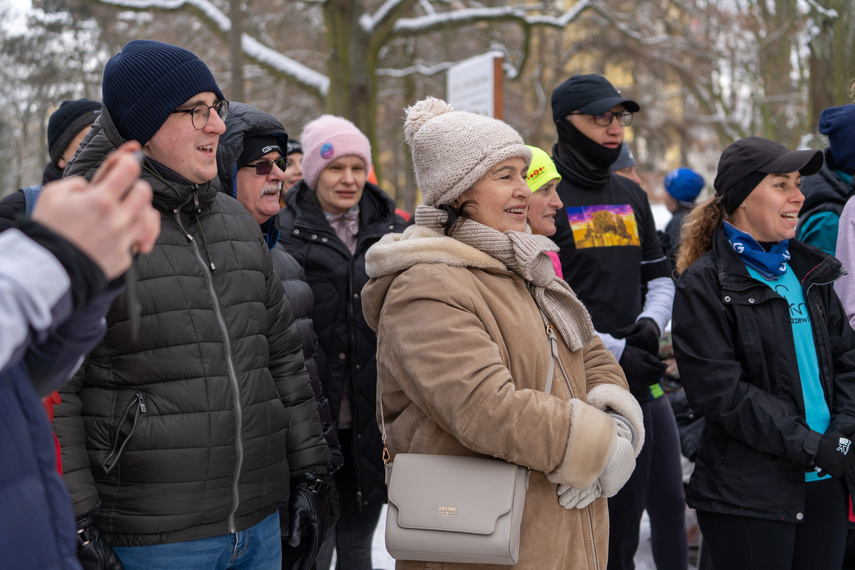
[(327, 138)]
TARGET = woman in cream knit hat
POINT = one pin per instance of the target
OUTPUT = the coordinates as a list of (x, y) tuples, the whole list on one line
[(462, 353)]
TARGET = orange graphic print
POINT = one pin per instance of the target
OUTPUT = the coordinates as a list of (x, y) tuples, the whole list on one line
[(603, 226)]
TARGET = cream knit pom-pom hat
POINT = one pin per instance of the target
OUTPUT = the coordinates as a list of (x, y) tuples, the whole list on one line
[(453, 149)]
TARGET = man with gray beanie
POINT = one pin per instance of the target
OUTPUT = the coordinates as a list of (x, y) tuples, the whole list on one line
[(179, 429), (612, 258), (625, 164)]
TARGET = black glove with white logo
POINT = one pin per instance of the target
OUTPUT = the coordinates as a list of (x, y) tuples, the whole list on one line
[(835, 454)]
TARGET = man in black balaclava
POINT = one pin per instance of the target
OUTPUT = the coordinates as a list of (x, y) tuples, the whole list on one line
[(612, 258)]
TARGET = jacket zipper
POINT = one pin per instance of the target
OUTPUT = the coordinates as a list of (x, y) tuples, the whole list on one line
[(351, 378), (593, 540), (227, 346), (116, 451)]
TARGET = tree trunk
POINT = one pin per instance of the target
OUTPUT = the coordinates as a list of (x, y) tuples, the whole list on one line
[(832, 61)]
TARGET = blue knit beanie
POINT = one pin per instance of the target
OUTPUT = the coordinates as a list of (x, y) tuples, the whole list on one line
[(684, 184), (146, 81), (838, 123)]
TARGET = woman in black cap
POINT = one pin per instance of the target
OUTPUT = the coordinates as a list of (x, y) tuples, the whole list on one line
[(768, 356)]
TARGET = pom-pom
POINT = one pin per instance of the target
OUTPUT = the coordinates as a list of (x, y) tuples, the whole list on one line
[(422, 112)]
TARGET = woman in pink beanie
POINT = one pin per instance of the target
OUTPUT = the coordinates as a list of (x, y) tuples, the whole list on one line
[(330, 219)]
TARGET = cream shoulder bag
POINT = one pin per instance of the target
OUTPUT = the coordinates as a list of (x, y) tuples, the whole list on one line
[(449, 508)]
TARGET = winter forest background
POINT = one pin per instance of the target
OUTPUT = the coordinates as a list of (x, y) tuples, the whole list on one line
[(705, 72)]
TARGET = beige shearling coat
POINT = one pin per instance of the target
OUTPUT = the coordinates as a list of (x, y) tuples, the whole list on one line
[(463, 358)]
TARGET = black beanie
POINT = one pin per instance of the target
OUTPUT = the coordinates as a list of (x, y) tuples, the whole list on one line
[(293, 146), (64, 124), (257, 146), (148, 80)]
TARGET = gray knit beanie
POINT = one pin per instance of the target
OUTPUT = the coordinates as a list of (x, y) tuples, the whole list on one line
[(452, 149)]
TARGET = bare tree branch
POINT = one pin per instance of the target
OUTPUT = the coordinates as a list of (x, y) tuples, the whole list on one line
[(306, 78)]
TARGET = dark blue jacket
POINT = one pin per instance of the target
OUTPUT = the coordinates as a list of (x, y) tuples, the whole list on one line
[(44, 340)]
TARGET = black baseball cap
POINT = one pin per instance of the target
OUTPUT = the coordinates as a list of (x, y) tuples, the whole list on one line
[(590, 94), (756, 154)]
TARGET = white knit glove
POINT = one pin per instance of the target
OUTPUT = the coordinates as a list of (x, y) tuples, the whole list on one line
[(570, 497), (621, 462)]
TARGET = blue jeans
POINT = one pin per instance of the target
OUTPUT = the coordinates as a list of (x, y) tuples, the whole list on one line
[(256, 548)]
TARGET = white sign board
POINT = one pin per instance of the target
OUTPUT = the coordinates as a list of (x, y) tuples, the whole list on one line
[(475, 85)]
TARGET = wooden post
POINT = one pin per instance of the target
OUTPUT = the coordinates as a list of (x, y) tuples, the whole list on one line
[(499, 88)]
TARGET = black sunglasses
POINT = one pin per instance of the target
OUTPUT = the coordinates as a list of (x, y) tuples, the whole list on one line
[(265, 167)]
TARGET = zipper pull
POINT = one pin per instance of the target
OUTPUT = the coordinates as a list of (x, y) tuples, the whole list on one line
[(196, 202), (141, 398)]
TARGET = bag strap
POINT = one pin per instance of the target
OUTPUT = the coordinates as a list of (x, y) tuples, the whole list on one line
[(553, 351)]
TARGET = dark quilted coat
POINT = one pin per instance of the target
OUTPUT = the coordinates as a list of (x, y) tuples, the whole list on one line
[(190, 432), (246, 120), (346, 345)]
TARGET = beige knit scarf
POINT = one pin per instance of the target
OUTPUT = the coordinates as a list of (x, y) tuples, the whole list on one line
[(524, 254)]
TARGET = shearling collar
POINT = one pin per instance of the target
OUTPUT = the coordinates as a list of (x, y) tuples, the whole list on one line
[(417, 244)]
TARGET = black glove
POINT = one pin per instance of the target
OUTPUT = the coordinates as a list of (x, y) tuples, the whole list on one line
[(644, 334), (641, 369), (92, 552), (834, 455), (310, 517)]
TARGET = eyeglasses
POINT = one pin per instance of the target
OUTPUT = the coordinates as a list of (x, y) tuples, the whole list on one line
[(200, 113), (624, 118), (265, 167)]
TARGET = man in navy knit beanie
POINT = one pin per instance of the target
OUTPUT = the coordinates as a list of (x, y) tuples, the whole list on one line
[(182, 429)]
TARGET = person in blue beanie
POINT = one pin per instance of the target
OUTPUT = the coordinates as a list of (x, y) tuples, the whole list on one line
[(682, 186), (181, 427), (826, 191)]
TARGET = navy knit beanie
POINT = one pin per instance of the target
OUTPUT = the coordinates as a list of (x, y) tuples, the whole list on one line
[(145, 82), (838, 123), (64, 124)]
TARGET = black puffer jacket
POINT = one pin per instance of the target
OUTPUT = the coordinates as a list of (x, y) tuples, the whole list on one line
[(190, 432), (734, 346), (244, 120), (346, 344)]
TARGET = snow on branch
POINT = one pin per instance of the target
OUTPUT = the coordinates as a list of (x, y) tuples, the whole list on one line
[(368, 22), (827, 12), (308, 78), (454, 18), (419, 68)]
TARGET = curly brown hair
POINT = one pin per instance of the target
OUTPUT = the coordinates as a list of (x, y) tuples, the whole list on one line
[(697, 231)]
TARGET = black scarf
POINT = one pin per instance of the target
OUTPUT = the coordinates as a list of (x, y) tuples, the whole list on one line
[(585, 162)]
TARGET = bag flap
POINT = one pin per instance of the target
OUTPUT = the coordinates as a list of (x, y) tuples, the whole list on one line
[(452, 493)]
